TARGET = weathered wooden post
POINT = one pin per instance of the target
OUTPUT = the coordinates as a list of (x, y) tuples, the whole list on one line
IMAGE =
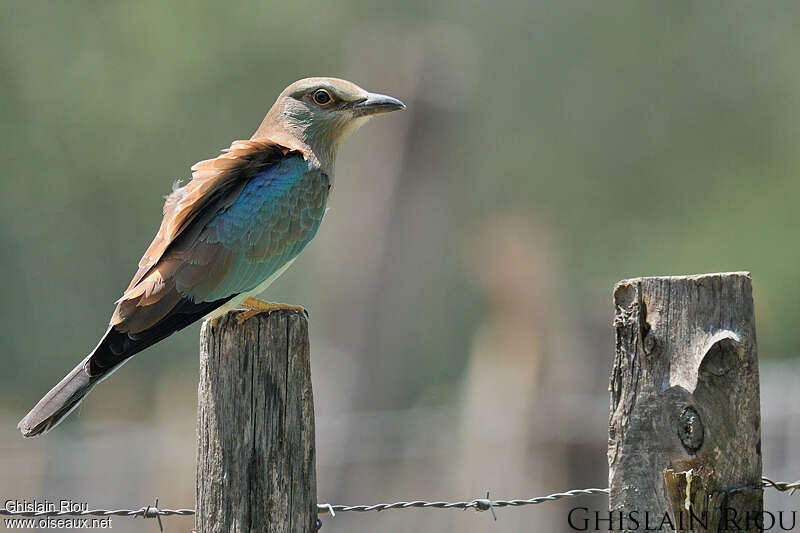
[(684, 430), (255, 426)]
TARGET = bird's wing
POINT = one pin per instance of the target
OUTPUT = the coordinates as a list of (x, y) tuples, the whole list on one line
[(242, 217), (275, 215), (214, 184), (182, 250)]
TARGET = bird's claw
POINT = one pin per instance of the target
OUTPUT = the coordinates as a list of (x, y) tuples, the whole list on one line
[(252, 307)]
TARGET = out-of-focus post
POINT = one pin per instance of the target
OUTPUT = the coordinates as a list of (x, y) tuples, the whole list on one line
[(255, 426)]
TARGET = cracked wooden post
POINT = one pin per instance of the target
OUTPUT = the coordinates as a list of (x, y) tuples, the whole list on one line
[(255, 426), (684, 430)]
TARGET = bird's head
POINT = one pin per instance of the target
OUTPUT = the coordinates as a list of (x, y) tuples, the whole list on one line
[(322, 112)]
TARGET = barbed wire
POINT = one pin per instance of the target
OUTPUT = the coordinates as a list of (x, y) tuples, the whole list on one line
[(148, 511), (782, 486), (480, 504)]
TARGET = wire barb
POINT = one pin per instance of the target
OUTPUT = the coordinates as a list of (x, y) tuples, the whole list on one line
[(151, 511), (485, 505)]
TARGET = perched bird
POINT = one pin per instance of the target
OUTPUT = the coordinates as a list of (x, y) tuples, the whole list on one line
[(228, 233)]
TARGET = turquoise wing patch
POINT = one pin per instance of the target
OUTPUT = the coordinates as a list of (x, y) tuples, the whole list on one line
[(274, 217)]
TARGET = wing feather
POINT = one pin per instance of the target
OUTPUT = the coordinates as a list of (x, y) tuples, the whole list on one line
[(184, 256), (214, 181)]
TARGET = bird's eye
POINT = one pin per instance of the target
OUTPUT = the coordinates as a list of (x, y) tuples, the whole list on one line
[(322, 97)]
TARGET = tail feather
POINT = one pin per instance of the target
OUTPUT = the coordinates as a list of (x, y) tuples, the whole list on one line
[(113, 350), (61, 400)]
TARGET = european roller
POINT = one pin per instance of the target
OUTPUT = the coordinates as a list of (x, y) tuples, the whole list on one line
[(236, 226)]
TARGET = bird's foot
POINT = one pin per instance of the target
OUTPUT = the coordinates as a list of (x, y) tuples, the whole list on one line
[(252, 307)]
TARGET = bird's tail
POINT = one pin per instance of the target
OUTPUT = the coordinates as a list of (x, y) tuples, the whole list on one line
[(63, 398), (111, 352)]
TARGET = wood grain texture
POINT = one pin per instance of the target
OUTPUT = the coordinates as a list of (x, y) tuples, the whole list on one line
[(685, 397), (255, 426)]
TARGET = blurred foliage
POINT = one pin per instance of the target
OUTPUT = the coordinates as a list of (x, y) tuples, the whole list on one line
[(650, 138)]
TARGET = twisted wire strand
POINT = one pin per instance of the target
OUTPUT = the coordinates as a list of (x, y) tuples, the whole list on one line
[(145, 512), (782, 486), (480, 504)]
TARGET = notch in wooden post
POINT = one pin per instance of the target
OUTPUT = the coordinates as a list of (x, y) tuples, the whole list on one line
[(684, 428)]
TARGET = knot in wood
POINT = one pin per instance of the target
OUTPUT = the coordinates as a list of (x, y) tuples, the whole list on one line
[(650, 344), (690, 429)]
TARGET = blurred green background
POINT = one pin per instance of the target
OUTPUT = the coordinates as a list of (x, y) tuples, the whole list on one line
[(548, 150)]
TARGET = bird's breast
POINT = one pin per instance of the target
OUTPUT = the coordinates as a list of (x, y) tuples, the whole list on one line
[(275, 216)]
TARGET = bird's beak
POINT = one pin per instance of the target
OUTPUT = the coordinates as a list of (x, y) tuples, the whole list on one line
[(374, 104)]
